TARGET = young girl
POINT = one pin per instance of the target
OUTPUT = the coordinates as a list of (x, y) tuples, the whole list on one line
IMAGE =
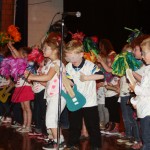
[(39, 111), (103, 111), (142, 91), (23, 92), (51, 51)]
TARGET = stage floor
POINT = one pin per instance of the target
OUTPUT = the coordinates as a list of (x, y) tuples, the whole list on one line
[(12, 140)]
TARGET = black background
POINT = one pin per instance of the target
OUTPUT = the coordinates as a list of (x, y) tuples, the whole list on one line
[(107, 18)]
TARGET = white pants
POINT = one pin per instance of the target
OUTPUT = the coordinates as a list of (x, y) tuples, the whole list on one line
[(52, 111)]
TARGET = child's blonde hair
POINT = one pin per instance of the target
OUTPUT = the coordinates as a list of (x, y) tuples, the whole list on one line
[(74, 45), (146, 44)]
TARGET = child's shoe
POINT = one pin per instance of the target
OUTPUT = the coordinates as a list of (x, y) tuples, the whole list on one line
[(115, 131), (20, 128), (7, 120), (52, 144), (102, 125), (123, 140), (33, 133), (25, 130), (1, 118), (137, 145), (15, 124), (43, 137)]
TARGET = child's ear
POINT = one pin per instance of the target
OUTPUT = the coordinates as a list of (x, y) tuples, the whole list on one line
[(82, 54)]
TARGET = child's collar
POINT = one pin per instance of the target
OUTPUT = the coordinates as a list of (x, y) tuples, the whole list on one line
[(80, 66)]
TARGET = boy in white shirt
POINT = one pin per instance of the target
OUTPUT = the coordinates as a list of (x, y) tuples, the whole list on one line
[(142, 90)]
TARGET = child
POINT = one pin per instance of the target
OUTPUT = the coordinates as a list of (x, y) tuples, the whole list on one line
[(39, 110), (130, 123), (23, 92), (83, 73), (111, 99), (103, 111), (142, 103), (51, 51)]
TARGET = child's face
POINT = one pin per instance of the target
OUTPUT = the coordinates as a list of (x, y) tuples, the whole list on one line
[(47, 51), (137, 52), (74, 58), (146, 55)]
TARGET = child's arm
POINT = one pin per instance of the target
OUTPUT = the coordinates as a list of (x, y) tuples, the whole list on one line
[(43, 83), (13, 50), (44, 77), (112, 87), (100, 60), (137, 76), (84, 77)]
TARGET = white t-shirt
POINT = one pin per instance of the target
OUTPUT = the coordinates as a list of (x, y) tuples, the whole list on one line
[(101, 95), (86, 88), (3, 82), (142, 90), (124, 87), (110, 93)]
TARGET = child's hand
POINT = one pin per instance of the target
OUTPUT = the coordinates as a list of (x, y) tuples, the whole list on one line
[(99, 59), (134, 106), (83, 77), (26, 73), (131, 87)]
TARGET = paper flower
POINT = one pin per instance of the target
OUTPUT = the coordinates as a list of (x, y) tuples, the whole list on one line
[(36, 56), (78, 36), (91, 48), (12, 34)]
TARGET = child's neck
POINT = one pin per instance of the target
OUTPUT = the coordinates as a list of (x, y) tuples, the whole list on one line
[(54, 58), (78, 63)]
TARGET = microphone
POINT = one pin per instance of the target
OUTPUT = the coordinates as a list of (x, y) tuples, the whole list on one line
[(76, 14)]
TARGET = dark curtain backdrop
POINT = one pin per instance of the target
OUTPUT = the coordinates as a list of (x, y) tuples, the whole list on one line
[(21, 21), (107, 18)]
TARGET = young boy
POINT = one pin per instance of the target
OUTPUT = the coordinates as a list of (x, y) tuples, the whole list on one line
[(143, 96), (83, 73)]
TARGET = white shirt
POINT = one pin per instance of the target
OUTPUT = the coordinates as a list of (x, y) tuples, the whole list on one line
[(110, 93), (101, 95), (86, 88), (3, 82), (142, 90), (124, 87)]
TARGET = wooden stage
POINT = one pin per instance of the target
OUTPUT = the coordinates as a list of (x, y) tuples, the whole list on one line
[(12, 140)]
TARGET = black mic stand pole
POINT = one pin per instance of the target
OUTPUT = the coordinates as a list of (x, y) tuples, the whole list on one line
[(60, 82)]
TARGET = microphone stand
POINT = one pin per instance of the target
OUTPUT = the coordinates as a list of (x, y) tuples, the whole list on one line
[(60, 82)]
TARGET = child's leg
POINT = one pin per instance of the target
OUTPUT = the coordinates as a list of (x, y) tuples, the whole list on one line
[(106, 114), (145, 127), (24, 114), (101, 113), (91, 118), (52, 114), (84, 131), (28, 112)]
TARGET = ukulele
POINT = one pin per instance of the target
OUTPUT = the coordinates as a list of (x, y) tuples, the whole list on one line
[(4, 93), (74, 99), (130, 76)]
